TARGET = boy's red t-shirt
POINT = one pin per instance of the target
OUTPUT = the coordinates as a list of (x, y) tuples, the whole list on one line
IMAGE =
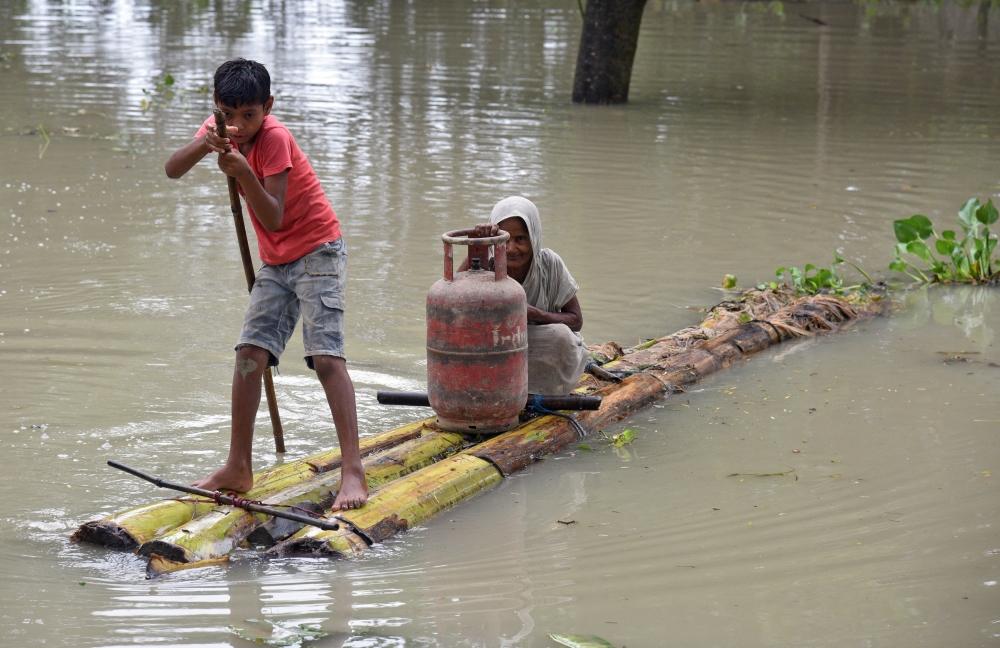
[(309, 219)]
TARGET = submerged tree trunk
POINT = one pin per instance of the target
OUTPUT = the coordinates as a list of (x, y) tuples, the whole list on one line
[(607, 50)]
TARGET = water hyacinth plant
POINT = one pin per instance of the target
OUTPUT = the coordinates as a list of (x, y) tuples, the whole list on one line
[(965, 260), (812, 279)]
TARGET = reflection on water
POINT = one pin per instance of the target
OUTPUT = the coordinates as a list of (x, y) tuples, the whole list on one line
[(759, 134)]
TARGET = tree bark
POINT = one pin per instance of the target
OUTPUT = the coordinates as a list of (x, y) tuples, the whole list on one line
[(607, 49)]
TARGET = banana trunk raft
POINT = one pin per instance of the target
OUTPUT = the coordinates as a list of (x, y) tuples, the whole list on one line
[(416, 470)]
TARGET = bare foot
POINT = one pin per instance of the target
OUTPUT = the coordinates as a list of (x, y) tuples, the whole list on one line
[(353, 490), (228, 478)]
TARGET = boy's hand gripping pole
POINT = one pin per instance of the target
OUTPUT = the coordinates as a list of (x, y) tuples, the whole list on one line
[(241, 239)]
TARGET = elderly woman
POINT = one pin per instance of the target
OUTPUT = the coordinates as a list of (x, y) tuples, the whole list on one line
[(556, 354)]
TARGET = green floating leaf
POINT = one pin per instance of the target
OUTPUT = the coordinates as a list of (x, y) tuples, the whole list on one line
[(729, 282), (580, 641), (285, 635), (623, 438), (784, 473)]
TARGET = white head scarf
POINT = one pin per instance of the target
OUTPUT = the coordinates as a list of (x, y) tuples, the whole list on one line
[(548, 285)]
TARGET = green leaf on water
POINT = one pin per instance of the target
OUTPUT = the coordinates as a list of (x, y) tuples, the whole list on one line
[(623, 438), (729, 281), (284, 635), (580, 641), (784, 473), (585, 447)]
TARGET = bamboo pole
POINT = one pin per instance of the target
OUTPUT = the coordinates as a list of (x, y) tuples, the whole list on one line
[(244, 245), (224, 499)]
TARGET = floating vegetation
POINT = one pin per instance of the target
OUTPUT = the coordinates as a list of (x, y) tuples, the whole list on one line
[(580, 641), (623, 438), (922, 254), (288, 635), (813, 280), (46, 140), (162, 92), (785, 473), (165, 89), (968, 259), (965, 357)]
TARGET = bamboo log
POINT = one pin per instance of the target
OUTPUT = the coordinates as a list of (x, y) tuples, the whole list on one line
[(215, 534), (399, 506), (131, 528)]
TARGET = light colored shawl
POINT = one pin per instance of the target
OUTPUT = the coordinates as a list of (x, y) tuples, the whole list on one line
[(549, 285)]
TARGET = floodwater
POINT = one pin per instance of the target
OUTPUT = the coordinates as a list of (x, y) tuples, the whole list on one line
[(755, 137)]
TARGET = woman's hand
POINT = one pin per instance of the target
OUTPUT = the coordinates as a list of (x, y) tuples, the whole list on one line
[(537, 315), (485, 230), (570, 314)]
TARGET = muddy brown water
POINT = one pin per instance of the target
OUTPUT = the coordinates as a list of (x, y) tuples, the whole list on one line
[(755, 137)]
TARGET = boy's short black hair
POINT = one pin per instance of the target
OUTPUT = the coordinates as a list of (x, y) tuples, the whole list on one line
[(240, 82)]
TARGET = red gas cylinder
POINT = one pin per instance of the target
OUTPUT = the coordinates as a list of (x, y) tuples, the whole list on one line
[(477, 341)]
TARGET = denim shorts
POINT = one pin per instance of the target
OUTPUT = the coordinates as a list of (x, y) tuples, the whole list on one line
[(312, 286)]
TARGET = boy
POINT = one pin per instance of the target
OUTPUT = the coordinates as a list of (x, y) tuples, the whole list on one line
[(305, 266)]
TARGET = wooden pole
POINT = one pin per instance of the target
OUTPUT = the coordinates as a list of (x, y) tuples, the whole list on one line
[(241, 239), (229, 500)]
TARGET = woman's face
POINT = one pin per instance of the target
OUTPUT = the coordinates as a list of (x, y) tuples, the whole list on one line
[(519, 253)]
